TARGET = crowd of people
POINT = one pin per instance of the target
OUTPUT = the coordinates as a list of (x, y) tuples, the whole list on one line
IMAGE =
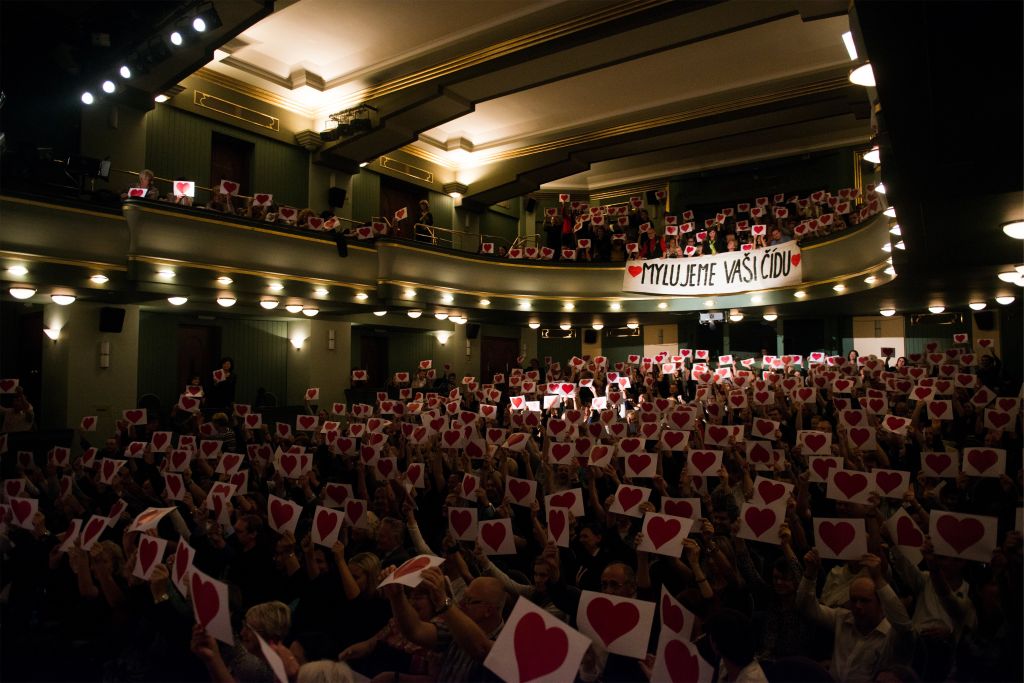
[(578, 232), (75, 607)]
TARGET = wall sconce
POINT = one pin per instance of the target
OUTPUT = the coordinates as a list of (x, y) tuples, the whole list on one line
[(454, 190), (105, 354), (297, 342), (443, 337), (53, 333), (330, 340)]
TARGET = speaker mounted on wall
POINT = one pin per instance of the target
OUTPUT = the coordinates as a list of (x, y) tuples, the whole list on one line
[(336, 197)]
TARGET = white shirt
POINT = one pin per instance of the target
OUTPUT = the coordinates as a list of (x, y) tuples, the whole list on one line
[(930, 610), (855, 656)]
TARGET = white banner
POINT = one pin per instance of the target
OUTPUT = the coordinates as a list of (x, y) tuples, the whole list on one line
[(728, 273)]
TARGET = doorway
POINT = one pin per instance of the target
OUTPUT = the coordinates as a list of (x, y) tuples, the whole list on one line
[(497, 354), (373, 357), (198, 353), (231, 159)]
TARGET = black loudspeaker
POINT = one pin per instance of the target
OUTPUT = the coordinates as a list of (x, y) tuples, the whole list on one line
[(472, 330), (589, 336), (342, 244), (652, 197), (531, 204), (336, 197), (985, 320), (111, 319)]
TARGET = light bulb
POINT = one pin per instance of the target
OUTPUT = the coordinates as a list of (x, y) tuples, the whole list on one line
[(178, 300), (895, 230), (1009, 276)]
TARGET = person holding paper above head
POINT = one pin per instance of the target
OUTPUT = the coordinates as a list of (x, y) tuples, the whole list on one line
[(423, 233), (866, 636)]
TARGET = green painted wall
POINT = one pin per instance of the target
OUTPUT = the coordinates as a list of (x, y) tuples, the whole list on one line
[(917, 336), (259, 347), (365, 195), (616, 349), (178, 144), (560, 350), (499, 225)]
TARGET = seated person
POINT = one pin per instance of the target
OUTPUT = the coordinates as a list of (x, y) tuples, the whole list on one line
[(145, 183)]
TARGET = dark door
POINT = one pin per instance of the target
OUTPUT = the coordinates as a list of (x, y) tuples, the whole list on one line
[(497, 354), (198, 353), (374, 359), (231, 159), (710, 338), (803, 336), (395, 195)]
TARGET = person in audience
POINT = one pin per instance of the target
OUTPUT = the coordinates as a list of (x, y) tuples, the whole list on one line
[(778, 237), (19, 416), (423, 233), (146, 183)]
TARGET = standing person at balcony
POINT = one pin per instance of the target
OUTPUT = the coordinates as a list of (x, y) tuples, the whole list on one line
[(424, 234), (553, 235), (20, 416), (145, 183)]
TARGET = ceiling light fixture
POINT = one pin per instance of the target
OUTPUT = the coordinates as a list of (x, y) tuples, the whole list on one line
[(380, 314), (198, 25), (165, 272), (880, 188), (633, 326), (52, 332), (890, 211), (565, 327), (887, 312), (863, 75), (22, 292), (533, 325), (735, 317), (176, 39), (269, 304), (901, 245), (887, 247), (87, 98), (62, 299), (895, 230), (890, 271), (293, 308), (800, 294), (177, 300), (362, 296), (99, 279), (839, 288), (936, 309), (870, 279), (226, 301), (524, 305), (109, 87), (756, 299), (568, 305), (1014, 229), (485, 302), (873, 156), (771, 317), (441, 316), (320, 291), (446, 298), (598, 326), (125, 72), (275, 286), (1005, 300), (161, 98), (414, 314), (615, 306), (851, 49), (19, 271), (458, 319), (977, 305), (663, 305), (1009, 276), (224, 280), (310, 311), (709, 302), (410, 293)]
